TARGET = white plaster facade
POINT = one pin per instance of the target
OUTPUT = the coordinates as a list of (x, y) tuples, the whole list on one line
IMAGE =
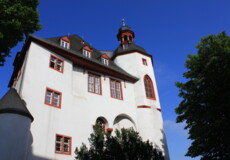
[(80, 108)]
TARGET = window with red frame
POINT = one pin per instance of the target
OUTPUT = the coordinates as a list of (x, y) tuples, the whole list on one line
[(63, 144), (144, 61), (56, 63), (94, 83), (115, 88), (149, 90), (53, 98)]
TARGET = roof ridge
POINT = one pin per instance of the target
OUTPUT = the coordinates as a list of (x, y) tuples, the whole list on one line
[(76, 51)]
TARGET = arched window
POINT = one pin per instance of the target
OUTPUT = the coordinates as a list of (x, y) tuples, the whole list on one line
[(102, 122), (149, 89), (130, 38), (125, 38)]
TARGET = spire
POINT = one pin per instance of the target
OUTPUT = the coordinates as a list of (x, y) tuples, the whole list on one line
[(123, 22)]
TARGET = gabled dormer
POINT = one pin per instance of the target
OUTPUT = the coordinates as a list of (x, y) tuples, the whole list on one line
[(105, 59), (65, 42), (87, 51)]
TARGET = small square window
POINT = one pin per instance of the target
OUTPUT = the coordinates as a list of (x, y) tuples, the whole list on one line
[(53, 98), (56, 63), (63, 144), (86, 53), (144, 61)]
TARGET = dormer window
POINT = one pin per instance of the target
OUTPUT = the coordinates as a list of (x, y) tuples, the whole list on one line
[(125, 46), (65, 42), (105, 59), (86, 53)]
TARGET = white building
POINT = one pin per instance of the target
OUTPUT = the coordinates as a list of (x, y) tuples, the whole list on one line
[(64, 86)]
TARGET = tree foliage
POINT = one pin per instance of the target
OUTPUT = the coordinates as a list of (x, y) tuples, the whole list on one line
[(125, 145), (206, 99), (18, 18)]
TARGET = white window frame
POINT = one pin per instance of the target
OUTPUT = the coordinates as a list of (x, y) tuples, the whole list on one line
[(64, 44), (86, 53), (105, 61)]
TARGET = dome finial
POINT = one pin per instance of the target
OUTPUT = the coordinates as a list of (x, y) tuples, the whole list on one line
[(123, 22)]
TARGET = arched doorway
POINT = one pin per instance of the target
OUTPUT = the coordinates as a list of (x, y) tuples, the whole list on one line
[(101, 121), (123, 121)]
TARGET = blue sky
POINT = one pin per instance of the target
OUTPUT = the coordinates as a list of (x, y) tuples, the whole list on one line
[(167, 29)]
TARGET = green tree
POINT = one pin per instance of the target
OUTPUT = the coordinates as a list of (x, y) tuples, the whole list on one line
[(18, 18), (206, 99), (125, 145)]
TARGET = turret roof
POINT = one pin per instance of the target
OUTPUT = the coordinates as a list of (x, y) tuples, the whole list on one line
[(124, 28), (11, 102), (131, 48)]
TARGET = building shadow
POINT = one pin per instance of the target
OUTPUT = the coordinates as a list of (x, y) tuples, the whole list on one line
[(165, 146), (31, 156)]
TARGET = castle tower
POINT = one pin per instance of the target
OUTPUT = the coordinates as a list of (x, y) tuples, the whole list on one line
[(15, 122), (137, 62)]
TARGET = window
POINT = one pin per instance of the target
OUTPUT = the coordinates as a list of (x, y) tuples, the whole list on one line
[(125, 38), (56, 63), (144, 61), (86, 53), (94, 83), (125, 46), (115, 88), (149, 90), (64, 44), (53, 98), (63, 144), (105, 61), (130, 38)]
